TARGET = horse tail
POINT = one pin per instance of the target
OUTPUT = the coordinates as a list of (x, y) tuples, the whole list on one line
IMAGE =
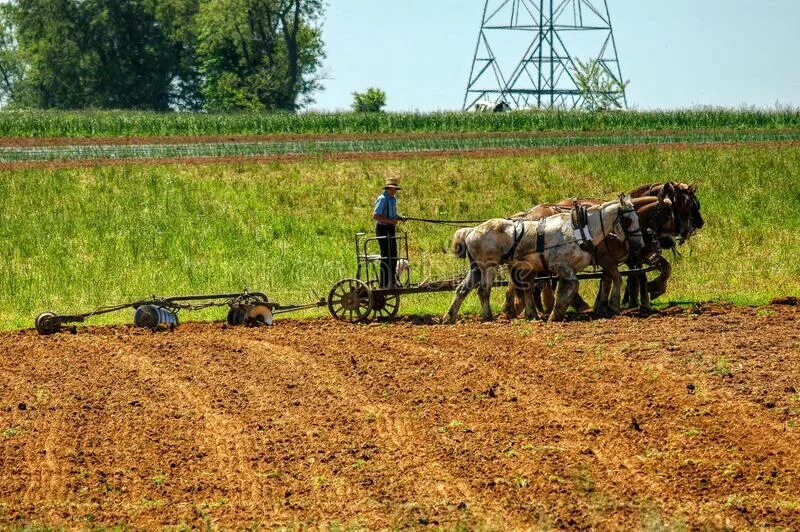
[(460, 242)]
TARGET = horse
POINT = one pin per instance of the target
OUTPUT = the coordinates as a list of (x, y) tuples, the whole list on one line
[(687, 220), (548, 245), (685, 204), (657, 223)]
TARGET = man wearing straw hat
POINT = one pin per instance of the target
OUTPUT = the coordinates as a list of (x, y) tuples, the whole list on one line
[(386, 218)]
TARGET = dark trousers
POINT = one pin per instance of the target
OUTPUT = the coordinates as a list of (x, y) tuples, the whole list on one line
[(388, 246)]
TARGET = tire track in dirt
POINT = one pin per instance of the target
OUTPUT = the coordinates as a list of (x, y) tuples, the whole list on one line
[(53, 436), (48, 480), (397, 431), (617, 458), (229, 440)]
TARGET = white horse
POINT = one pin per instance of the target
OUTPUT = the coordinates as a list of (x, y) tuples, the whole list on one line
[(549, 245)]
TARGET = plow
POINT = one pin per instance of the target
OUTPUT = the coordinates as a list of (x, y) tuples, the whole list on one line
[(155, 313), (357, 299)]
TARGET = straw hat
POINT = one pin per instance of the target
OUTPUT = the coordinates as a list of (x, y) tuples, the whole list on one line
[(392, 182)]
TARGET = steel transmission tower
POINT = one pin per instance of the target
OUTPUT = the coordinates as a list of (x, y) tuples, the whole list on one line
[(541, 42)]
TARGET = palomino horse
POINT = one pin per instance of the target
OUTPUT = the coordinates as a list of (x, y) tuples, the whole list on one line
[(656, 220), (549, 245)]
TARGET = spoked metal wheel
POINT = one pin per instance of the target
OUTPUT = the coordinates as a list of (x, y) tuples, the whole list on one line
[(384, 305), (350, 300)]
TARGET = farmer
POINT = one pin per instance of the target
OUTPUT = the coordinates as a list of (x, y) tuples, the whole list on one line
[(386, 218)]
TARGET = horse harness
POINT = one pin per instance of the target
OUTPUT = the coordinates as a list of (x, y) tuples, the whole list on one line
[(519, 233), (579, 216)]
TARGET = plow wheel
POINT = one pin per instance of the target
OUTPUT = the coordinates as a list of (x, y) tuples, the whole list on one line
[(350, 300), (47, 323), (385, 306), (250, 314)]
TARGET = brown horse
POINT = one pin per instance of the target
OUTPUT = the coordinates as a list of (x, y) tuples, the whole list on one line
[(687, 220), (656, 221), (550, 245)]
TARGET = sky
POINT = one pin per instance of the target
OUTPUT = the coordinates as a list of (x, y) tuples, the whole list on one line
[(676, 54)]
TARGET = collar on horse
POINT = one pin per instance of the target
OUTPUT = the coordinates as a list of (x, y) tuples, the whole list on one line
[(580, 227)]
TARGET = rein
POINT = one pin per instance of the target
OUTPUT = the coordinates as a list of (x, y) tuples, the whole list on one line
[(443, 222)]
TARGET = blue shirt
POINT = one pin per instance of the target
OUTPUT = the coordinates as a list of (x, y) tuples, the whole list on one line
[(386, 206)]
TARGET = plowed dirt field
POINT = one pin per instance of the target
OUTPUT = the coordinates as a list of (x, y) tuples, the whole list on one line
[(685, 418)]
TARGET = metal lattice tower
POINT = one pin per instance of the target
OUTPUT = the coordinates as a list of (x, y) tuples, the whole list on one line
[(544, 39)]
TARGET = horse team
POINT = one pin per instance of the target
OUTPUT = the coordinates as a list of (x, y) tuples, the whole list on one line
[(562, 239)]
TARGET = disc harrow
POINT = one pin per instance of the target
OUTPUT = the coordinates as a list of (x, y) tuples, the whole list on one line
[(159, 313)]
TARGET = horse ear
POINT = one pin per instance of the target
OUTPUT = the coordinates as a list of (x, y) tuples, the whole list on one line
[(668, 189)]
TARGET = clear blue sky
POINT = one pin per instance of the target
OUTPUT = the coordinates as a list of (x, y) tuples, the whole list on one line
[(676, 54)]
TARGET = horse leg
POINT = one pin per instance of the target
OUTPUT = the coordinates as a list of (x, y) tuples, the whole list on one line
[(547, 299), (658, 286), (632, 290), (485, 292), (470, 281), (510, 307), (530, 305), (626, 295), (579, 304), (514, 293), (643, 292), (601, 303), (614, 300), (567, 286)]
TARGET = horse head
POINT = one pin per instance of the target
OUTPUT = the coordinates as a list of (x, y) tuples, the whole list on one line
[(685, 204), (687, 209), (657, 220)]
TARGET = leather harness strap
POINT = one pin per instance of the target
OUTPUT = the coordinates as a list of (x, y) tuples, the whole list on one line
[(540, 235), (580, 227), (519, 232)]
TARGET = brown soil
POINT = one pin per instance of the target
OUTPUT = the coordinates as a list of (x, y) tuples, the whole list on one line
[(688, 417), (311, 137), (391, 155)]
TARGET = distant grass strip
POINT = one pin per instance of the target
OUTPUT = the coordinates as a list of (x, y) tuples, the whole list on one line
[(74, 239), (413, 145), (130, 123)]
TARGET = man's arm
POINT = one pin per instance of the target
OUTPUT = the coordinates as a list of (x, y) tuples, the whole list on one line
[(383, 219)]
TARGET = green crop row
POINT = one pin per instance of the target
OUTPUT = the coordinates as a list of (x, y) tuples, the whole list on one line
[(130, 123), (75, 239), (416, 145)]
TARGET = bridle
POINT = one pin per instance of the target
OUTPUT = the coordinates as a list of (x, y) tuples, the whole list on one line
[(623, 222)]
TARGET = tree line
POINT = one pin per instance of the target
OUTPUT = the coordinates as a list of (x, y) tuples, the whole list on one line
[(215, 55)]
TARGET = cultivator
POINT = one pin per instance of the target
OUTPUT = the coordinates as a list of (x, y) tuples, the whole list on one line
[(244, 308)]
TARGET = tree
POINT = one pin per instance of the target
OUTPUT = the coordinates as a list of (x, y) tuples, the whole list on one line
[(12, 67), (371, 101), (259, 54), (103, 53), (600, 90)]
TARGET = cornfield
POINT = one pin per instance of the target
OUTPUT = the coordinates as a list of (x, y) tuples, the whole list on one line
[(130, 123)]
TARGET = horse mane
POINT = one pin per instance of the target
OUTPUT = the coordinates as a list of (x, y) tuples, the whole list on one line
[(646, 190), (654, 189)]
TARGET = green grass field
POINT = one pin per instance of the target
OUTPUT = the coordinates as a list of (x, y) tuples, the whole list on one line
[(130, 123), (74, 239)]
